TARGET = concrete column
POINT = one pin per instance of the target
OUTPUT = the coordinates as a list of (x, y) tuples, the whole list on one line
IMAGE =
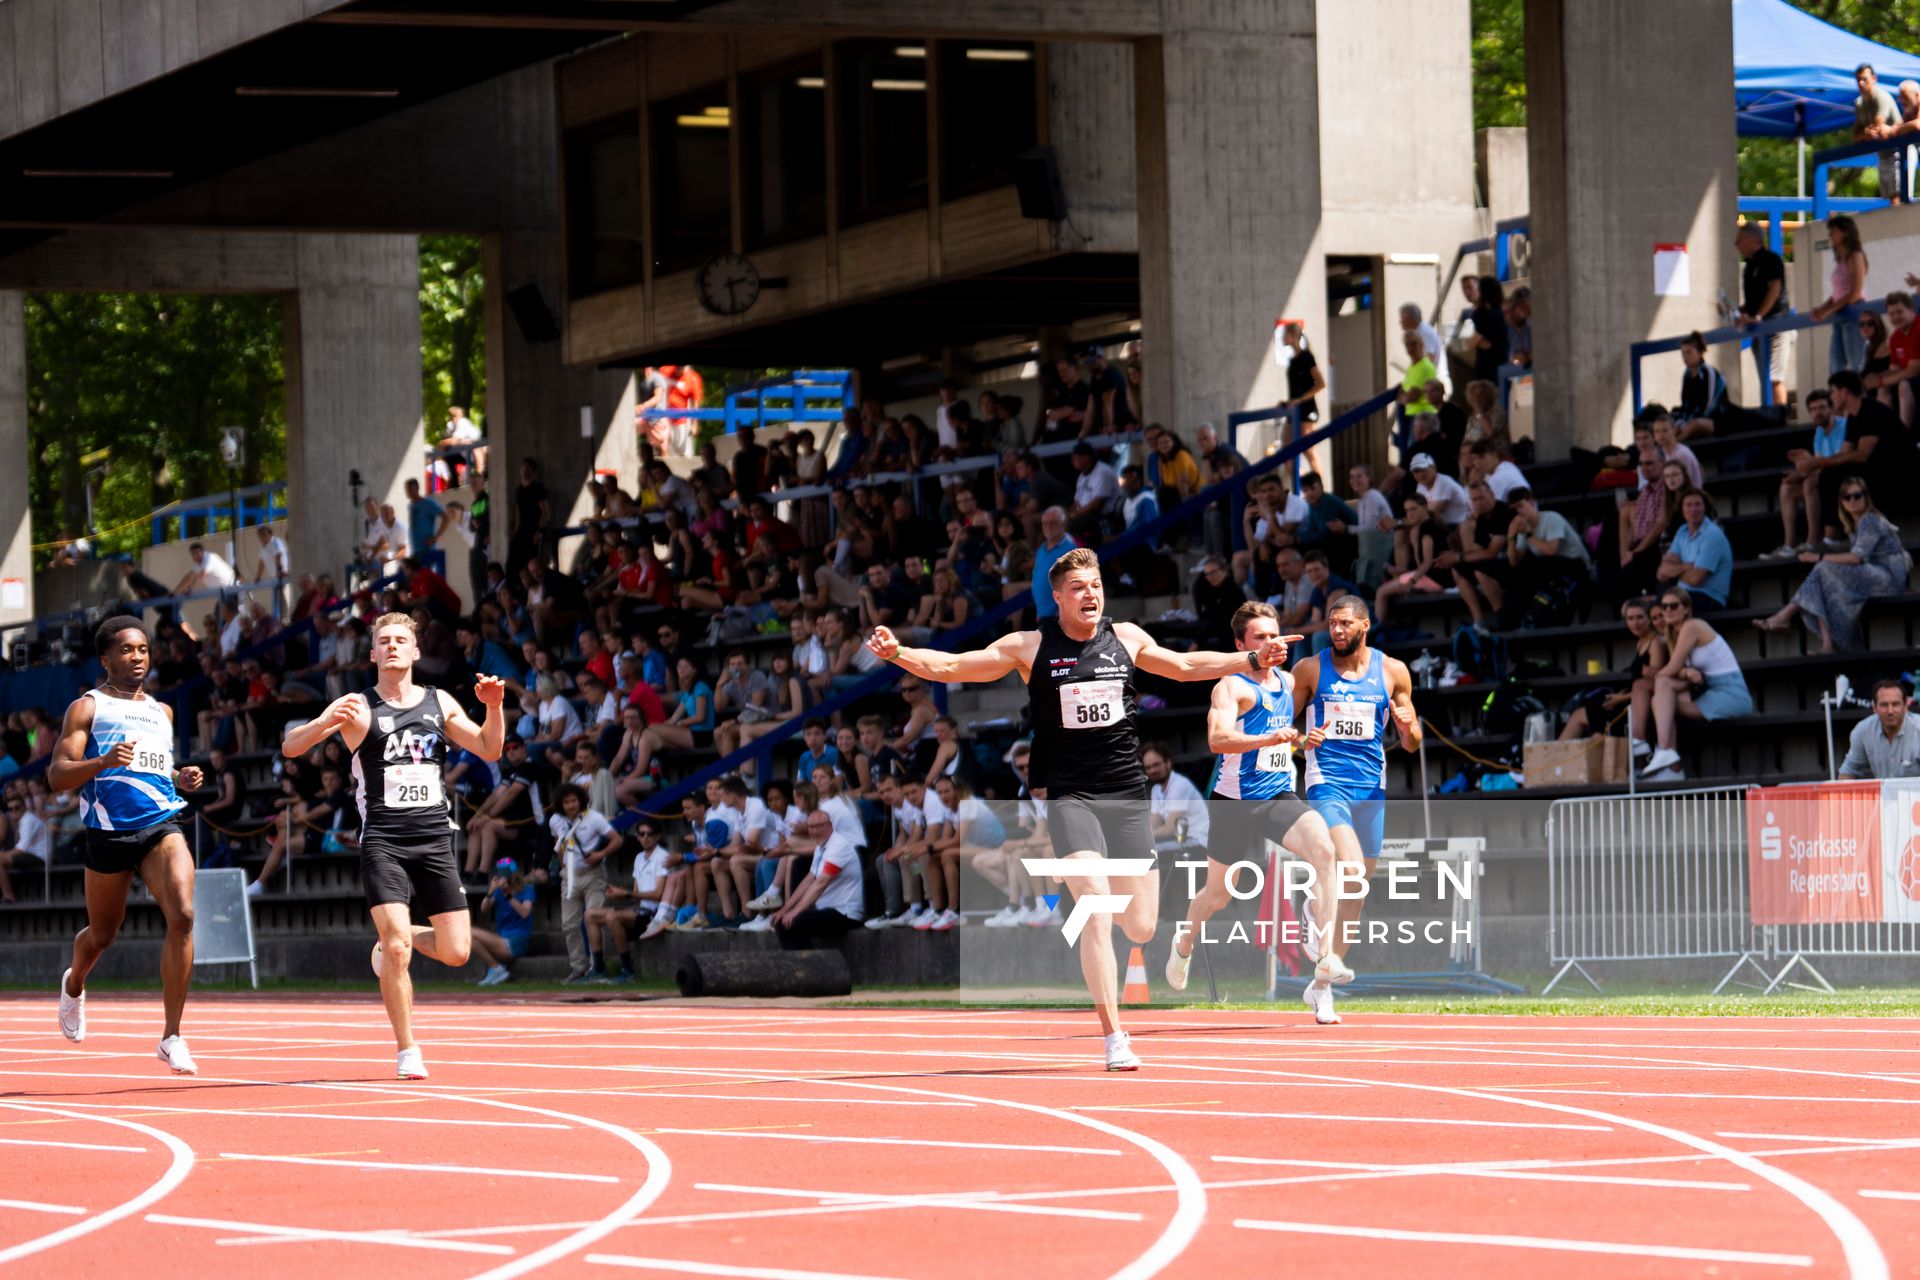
[(1629, 144), (16, 463), (353, 387), (535, 400), (1090, 125), (1226, 247)]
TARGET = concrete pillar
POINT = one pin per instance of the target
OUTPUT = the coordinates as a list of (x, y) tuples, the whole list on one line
[(1090, 125), (1226, 247), (353, 387), (535, 400), (1630, 144), (16, 520)]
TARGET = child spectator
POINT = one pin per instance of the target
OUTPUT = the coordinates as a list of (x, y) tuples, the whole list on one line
[(509, 901)]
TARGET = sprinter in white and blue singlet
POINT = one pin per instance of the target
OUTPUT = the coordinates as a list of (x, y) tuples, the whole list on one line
[(116, 749), (1250, 731), (398, 733), (1078, 668), (1359, 696)]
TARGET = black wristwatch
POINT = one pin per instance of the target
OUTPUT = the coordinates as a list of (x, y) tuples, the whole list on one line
[(1253, 659)]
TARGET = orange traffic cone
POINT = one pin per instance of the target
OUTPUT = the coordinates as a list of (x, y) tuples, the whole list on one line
[(1135, 991)]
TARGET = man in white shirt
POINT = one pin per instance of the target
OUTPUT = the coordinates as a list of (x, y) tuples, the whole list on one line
[(1500, 474), (1094, 492), (583, 841), (1173, 798), (274, 562), (942, 915), (947, 422), (830, 901), (809, 655), (899, 874), (382, 540), (209, 572), (1444, 495), (33, 838)]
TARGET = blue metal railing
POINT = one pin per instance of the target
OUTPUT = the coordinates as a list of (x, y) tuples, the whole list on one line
[(255, 504), (774, 401), (993, 621), (1792, 321), (1856, 155), (1776, 209)]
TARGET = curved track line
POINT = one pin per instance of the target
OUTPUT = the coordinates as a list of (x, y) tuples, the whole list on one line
[(176, 1173), (1865, 1261)]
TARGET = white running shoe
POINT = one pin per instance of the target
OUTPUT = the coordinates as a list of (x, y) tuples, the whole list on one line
[(1318, 997), (945, 920), (1332, 970), (911, 917), (255, 889), (759, 924), (661, 922), (494, 976), (1177, 968), (924, 921), (410, 1064), (378, 960), (1007, 917), (771, 900), (1663, 759), (882, 922), (73, 1012), (1120, 1054), (173, 1052)]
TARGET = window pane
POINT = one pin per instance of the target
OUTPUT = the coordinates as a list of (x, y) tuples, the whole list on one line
[(603, 206), (988, 105), (692, 204), (883, 120), (784, 113)]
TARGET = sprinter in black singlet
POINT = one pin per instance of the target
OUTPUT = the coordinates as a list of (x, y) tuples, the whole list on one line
[(398, 733), (1086, 749)]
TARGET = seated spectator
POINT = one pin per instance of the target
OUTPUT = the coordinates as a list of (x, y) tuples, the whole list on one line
[(29, 842), (1215, 597), (1480, 565), (1171, 469), (1547, 559), (1879, 358), (1413, 569), (1096, 489), (1836, 592), (1887, 743), (1293, 602), (1703, 391), (1326, 587), (1373, 525), (1668, 441), (689, 727), (944, 609), (1642, 524), (1700, 681), (316, 823), (1270, 522), (903, 888), (514, 814), (509, 901), (1329, 522), (1895, 387), (831, 900), (1592, 710), (1178, 810), (1443, 494), (1700, 557), (1490, 463)]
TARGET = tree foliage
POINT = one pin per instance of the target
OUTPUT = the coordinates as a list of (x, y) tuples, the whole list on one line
[(453, 308)]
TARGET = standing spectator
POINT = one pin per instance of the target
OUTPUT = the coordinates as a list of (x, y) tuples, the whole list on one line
[(1701, 558), (1519, 340), (1846, 348), (1054, 544), (1703, 391), (1887, 744), (1490, 347), (1548, 559), (1111, 404), (1877, 115), (1431, 347), (1070, 416), (274, 564), (749, 471), (1701, 680), (1305, 381), (531, 513), (831, 900), (583, 841), (1841, 582), (1763, 296), (425, 520), (1173, 800), (1801, 482), (1412, 396)]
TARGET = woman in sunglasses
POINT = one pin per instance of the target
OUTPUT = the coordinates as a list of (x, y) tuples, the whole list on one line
[(1701, 680), (1830, 601)]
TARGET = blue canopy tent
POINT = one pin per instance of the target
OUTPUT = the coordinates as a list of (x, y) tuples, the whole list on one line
[(1793, 73)]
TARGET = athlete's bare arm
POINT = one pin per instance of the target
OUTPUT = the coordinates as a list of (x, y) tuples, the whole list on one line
[(1199, 665), (1229, 704), (69, 769), (484, 740), (1306, 676), (1009, 653), (1400, 696), (347, 716)]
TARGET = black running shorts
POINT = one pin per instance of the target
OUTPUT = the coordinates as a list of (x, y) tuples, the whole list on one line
[(1114, 825), (112, 853), (421, 872), (1241, 828)]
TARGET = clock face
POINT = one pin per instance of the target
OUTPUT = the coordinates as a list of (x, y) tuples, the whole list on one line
[(728, 284)]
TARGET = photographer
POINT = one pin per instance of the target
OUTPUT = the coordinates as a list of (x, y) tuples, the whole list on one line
[(510, 900)]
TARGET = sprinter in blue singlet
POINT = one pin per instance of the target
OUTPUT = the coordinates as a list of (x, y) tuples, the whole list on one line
[(1360, 695), (1250, 730), (116, 750)]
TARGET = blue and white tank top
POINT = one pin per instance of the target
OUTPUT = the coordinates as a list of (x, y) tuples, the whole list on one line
[(1355, 712), (138, 796), (1267, 772)]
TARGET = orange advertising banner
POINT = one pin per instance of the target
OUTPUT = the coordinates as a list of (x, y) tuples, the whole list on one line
[(1813, 853)]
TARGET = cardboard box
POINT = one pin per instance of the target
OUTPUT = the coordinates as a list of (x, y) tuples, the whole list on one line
[(1585, 762)]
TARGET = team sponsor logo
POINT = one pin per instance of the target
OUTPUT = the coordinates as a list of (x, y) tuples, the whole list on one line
[(386, 724), (410, 747)]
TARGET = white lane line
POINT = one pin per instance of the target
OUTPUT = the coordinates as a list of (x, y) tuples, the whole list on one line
[(1517, 1173), (1312, 1115), (399, 1167), (143, 1109), (1534, 1242), (178, 1167), (70, 1146), (819, 1102), (982, 1200), (1717, 1097), (1823, 1138), (692, 1268), (267, 1233), (896, 1142), (1891, 1195), (36, 1206)]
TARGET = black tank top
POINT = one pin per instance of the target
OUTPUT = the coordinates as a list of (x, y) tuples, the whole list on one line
[(1080, 702), (398, 771)]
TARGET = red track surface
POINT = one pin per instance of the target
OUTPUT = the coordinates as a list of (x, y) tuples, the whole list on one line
[(599, 1139)]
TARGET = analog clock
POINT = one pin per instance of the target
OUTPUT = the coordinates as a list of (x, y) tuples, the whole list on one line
[(728, 284)]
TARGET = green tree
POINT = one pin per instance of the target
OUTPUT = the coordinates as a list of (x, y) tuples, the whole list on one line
[(453, 310)]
